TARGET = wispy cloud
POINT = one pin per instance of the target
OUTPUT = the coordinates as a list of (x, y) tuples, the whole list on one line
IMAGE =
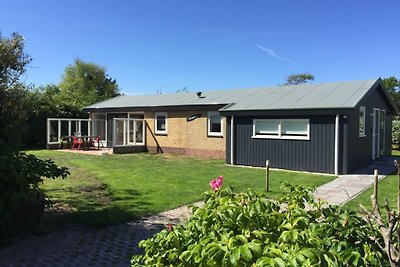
[(272, 53)]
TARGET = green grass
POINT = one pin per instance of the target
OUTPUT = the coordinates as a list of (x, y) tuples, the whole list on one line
[(116, 188), (387, 188)]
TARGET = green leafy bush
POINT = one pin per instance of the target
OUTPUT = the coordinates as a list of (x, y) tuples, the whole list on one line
[(396, 133), (21, 201), (247, 229)]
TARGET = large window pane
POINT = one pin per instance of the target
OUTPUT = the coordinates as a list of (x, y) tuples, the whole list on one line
[(294, 127), (267, 127), (161, 123), (361, 130), (214, 124), (297, 129)]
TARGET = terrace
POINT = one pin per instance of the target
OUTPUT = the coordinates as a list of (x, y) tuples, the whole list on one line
[(121, 134)]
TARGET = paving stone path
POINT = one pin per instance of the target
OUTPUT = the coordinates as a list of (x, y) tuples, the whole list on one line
[(344, 188), (347, 187), (80, 246)]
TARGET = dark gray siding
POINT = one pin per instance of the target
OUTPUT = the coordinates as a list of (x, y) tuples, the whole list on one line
[(360, 148), (228, 140), (315, 155)]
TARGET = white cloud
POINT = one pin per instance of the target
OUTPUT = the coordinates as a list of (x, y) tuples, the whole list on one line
[(272, 53)]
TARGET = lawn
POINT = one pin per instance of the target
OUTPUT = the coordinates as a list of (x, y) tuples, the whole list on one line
[(116, 188), (387, 188)]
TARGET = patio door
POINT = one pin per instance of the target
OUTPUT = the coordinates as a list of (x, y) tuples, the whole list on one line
[(376, 133), (110, 126)]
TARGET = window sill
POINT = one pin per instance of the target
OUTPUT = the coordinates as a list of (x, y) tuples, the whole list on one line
[(281, 137), (362, 135), (215, 135), (160, 133)]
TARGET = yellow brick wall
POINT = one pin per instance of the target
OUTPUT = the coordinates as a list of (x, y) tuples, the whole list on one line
[(182, 134)]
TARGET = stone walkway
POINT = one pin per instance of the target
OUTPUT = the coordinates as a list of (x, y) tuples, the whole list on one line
[(114, 245), (347, 187), (80, 246)]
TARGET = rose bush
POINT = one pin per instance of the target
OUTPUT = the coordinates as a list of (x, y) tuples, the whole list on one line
[(247, 229)]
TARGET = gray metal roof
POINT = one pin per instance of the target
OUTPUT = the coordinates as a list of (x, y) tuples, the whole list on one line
[(305, 96)]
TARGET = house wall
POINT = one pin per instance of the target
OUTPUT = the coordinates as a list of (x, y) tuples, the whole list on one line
[(185, 137), (315, 155), (360, 148)]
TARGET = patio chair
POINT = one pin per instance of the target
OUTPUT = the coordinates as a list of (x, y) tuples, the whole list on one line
[(76, 141), (63, 142)]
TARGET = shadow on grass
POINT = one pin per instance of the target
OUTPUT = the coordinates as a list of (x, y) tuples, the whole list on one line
[(94, 208)]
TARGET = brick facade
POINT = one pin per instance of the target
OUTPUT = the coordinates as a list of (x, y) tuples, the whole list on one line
[(185, 137)]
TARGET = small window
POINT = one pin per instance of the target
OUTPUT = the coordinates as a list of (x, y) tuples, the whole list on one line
[(282, 129), (214, 124), (361, 129), (160, 122)]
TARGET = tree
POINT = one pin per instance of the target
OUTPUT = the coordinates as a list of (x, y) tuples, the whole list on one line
[(21, 201), (13, 61), (86, 83), (299, 78), (392, 85)]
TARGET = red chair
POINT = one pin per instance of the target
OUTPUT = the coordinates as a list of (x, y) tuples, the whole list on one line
[(76, 141)]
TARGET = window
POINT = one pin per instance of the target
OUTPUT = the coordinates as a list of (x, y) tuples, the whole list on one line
[(282, 129), (361, 127), (214, 124), (160, 122)]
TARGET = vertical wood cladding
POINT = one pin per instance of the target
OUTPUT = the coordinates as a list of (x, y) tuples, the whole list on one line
[(316, 154)]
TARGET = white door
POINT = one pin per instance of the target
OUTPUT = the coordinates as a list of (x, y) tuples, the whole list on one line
[(382, 133), (375, 133)]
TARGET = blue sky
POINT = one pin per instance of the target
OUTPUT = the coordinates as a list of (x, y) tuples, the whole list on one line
[(209, 44)]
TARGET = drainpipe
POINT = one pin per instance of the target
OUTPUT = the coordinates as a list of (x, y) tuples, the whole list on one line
[(232, 140), (337, 145)]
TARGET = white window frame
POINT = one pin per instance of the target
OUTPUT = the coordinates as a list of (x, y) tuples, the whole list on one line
[(363, 132), (209, 115), (280, 136), (156, 115)]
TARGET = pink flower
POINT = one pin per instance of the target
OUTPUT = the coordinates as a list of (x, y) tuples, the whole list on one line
[(169, 227), (216, 183)]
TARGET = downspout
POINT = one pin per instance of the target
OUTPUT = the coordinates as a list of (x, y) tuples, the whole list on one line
[(337, 145), (232, 140)]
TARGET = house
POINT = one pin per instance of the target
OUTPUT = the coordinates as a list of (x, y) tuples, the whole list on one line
[(328, 127)]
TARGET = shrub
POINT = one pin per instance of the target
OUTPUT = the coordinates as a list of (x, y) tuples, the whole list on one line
[(396, 133), (21, 201), (247, 229)]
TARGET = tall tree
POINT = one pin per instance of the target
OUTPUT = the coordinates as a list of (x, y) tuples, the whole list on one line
[(299, 78), (85, 83), (21, 201), (392, 85), (13, 63)]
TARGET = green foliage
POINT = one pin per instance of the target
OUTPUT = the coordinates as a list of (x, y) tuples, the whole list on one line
[(299, 78), (21, 201), (12, 107), (396, 133), (86, 83), (12, 60), (246, 229), (392, 85)]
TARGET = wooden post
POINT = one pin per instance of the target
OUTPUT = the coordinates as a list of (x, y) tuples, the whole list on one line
[(267, 175), (376, 186)]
